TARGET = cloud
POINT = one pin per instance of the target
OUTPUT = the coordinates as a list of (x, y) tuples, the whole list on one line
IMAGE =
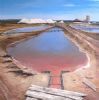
[(69, 5)]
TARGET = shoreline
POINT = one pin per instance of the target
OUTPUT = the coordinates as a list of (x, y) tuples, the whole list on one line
[(83, 48), (80, 50), (9, 78), (7, 27), (24, 39), (86, 44)]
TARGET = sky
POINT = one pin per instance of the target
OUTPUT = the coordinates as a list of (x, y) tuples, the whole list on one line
[(49, 9)]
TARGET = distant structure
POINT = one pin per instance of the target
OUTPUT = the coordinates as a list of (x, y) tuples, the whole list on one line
[(77, 21), (87, 20)]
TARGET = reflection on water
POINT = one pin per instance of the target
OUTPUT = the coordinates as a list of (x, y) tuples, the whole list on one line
[(88, 29), (49, 51)]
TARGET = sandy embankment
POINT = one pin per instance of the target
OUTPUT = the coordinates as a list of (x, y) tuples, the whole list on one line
[(14, 86), (90, 46), (15, 79), (7, 26)]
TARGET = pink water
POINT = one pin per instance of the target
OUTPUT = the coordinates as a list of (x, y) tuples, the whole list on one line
[(49, 51)]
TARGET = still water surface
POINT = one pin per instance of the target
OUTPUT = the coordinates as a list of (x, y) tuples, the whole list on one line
[(49, 51), (27, 29), (88, 29)]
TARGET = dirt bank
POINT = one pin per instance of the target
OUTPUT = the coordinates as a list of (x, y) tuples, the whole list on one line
[(15, 80), (8, 26), (89, 45)]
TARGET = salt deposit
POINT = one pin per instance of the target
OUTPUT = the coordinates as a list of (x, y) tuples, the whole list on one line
[(35, 20)]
